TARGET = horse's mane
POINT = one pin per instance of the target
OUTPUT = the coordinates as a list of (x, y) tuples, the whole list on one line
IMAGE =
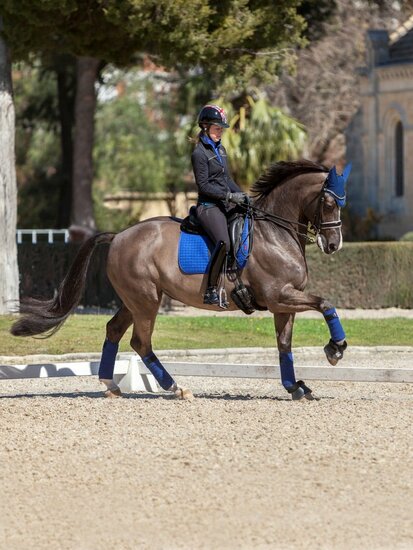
[(279, 172)]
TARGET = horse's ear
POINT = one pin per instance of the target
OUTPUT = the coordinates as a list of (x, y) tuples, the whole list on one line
[(346, 171), (335, 185)]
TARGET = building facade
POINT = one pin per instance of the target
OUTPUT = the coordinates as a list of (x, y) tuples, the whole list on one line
[(380, 137)]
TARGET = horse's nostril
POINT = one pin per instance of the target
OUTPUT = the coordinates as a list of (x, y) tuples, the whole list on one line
[(332, 247)]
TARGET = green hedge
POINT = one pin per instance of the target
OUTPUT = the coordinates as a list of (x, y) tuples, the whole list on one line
[(366, 275), (43, 266)]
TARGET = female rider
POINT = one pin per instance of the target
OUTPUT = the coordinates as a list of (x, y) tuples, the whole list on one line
[(216, 190)]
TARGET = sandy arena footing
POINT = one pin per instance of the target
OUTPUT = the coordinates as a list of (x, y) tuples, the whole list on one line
[(240, 467)]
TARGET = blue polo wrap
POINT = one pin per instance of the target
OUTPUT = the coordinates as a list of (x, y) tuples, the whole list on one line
[(107, 360), (287, 369), (333, 321), (158, 370)]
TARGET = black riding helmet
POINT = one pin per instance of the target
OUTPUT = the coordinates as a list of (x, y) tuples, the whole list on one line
[(212, 114)]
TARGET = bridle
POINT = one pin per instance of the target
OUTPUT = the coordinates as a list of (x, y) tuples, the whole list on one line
[(312, 229), (318, 223)]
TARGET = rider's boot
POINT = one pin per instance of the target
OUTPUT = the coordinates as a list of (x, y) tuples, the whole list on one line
[(211, 296)]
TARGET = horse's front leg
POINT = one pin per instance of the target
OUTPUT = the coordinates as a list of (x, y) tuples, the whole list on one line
[(296, 301), (284, 323)]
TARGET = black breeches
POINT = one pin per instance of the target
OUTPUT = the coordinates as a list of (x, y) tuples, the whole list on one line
[(214, 221)]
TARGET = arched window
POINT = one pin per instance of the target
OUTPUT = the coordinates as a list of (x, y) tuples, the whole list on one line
[(399, 158)]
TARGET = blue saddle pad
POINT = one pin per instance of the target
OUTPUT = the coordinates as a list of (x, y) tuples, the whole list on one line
[(194, 251)]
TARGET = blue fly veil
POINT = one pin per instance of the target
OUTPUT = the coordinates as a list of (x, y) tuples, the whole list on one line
[(336, 184)]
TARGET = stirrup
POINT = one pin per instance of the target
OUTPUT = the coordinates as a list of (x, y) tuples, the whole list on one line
[(211, 296), (223, 301)]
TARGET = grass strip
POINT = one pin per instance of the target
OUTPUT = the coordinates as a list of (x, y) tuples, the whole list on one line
[(85, 333)]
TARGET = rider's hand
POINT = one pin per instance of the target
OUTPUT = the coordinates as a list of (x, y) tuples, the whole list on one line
[(237, 198)]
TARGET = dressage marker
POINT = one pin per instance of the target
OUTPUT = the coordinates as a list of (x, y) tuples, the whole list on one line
[(132, 375)]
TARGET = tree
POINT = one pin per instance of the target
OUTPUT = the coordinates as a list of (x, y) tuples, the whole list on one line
[(9, 276), (260, 134), (64, 66), (85, 105), (323, 94), (132, 141), (44, 112), (236, 40), (233, 40)]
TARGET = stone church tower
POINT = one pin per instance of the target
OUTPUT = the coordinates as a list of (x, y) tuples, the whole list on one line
[(380, 137)]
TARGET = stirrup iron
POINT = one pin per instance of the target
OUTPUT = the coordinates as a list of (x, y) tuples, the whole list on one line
[(223, 300)]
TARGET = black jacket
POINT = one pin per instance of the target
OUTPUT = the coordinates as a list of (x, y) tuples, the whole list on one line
[(211, 173)]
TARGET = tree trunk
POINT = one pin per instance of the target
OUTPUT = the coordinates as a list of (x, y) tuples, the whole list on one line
[(66, 88), (82, 203), (9, 273)]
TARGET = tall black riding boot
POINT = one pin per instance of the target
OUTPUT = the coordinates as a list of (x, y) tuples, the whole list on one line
[(211, 296)]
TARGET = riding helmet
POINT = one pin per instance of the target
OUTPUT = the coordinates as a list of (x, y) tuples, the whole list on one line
[(212, 114)]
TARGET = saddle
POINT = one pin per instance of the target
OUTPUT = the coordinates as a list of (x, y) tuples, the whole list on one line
[(241, 240), (195, 247)]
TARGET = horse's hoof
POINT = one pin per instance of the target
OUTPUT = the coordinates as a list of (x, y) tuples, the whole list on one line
[(334, 352), (184, 394), (311, 397), (112, 390), (300, 390), (115, 392)]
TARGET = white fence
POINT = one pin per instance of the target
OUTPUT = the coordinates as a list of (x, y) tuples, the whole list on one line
[(132, 375), (49, 235)]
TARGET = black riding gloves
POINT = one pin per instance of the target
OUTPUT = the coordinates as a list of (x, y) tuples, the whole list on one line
[(237, 198)]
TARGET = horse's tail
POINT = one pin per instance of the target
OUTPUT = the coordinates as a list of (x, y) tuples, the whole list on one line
[(47, 316)]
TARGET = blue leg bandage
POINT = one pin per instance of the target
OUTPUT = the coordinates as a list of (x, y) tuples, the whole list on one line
[(158, 370), (336, 330), (287, 370), (107, 361)]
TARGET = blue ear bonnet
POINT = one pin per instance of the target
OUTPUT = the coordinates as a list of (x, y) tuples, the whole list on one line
[(336, 184)]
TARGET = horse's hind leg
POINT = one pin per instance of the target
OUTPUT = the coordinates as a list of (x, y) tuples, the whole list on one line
[(115, 329), (284, 323), (141, 342)]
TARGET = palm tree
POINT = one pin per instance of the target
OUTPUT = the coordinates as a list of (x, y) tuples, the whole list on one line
[(259, 135)]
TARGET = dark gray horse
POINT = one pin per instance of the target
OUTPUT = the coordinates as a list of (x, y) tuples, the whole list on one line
[(142, 266)]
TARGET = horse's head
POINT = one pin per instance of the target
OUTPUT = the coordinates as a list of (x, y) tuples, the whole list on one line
[(311, 196), (326, 221)]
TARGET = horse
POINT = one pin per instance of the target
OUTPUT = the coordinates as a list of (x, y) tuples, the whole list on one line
[(142, 266)]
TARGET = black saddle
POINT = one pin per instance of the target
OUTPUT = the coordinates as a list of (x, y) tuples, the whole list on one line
[(191, 224)]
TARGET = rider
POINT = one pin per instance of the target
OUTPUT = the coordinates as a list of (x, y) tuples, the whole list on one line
[(216, 190)]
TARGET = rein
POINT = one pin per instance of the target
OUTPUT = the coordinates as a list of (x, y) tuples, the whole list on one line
[(315, 227), (259, 214)]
